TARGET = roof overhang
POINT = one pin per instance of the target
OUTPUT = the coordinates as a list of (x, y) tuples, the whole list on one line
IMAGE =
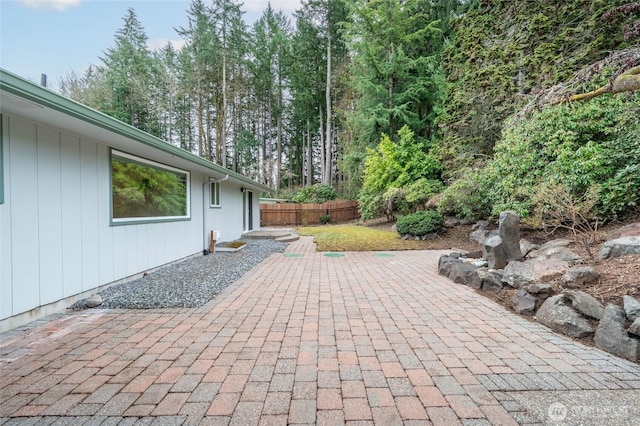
[(24, 98)]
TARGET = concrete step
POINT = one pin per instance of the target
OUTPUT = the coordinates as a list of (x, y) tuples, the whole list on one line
[(288, 238)]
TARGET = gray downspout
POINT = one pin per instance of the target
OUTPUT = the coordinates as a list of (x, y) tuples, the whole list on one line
[(205, 250)]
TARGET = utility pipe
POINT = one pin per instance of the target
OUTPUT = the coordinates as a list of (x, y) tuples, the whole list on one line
[(205, 250)]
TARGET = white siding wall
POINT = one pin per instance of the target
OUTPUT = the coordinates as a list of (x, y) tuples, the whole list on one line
[(55, 235), (228, 217)]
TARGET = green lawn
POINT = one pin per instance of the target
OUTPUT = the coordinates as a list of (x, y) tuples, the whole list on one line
[(358, 238)]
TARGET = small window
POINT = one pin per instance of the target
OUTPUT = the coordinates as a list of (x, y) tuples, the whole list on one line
[(143, 190), (215, 194)]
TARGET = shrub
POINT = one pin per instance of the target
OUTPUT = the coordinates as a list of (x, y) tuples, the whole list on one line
[(315, 194), (465, 198), (420, 223), (396, 164), (589, 149), (325, 219)]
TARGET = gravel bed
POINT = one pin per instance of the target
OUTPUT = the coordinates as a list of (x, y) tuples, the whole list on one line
[(187, 284)]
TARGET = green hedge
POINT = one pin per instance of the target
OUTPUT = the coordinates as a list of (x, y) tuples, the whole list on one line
[(420, 223)]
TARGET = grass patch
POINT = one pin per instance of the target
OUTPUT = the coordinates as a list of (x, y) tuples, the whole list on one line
[(359, 238), (235, 244)]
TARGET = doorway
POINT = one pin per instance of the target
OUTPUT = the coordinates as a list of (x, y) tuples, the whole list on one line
[(247, 202)]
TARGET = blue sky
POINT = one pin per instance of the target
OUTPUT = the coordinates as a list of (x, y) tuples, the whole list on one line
[(55, 37)]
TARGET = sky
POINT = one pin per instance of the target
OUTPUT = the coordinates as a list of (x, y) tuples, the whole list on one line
[(55, 37)]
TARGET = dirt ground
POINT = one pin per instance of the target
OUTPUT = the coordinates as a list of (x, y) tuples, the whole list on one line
[(618, 277)]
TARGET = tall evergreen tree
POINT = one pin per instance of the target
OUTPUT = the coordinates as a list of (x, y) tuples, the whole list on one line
[(128, 74)]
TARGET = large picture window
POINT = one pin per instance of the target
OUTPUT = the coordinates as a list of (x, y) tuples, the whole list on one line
[(143, 190)]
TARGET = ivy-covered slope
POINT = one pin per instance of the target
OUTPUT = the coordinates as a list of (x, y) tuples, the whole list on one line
[(504, 52)]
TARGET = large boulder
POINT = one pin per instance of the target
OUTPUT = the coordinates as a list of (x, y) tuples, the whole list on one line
[(556, 314), (611, 334), (518, 274), (556, 249), (620, 247), (504, 246), (631, 307), (578, 276), (585, 303)]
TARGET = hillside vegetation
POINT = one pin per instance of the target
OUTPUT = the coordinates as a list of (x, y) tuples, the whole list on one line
[(510, 137)]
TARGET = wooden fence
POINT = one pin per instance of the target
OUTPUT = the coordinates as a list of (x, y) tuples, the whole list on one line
[(307, 214)]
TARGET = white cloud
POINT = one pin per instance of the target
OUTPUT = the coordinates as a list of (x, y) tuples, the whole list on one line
[(50, 4), (159, 43)]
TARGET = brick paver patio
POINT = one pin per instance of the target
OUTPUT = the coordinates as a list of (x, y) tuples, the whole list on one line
[(304, 338)]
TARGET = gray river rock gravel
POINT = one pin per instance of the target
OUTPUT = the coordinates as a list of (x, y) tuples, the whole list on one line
[(187, 284)]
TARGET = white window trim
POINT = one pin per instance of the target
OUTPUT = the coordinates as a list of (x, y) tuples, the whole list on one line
[(215, 185), (150, 219)]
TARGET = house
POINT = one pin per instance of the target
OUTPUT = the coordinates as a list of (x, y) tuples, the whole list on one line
[(87, 201)]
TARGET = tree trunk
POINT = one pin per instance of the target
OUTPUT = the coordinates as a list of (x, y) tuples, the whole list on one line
[(309, 155), (322, 146), (328, 154)]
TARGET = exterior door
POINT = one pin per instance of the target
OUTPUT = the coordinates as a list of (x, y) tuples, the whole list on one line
[(247, 203)]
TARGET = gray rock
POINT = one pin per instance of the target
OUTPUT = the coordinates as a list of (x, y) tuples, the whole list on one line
[(526, 247), (539, 270), (481, 225), (493, 282), (578, 276), (478, 263), (461, 272), (620, 247), (631, 230), (445, 263), (542, 289), (635, 327), (557, 315), (631, 307), (549, 248), (485, 280), (93, 301), (611, 334), (558, 253), (523, 303), (479, 236), (509, 230), (455, 221), (502, 246), (585, 303)]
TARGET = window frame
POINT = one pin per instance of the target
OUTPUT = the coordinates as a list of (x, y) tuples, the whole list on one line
[(154, 165), (215, 194)]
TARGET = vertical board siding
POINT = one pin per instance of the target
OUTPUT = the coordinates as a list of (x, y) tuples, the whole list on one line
[(57, 240), (71, 215), (6, 291), (104, 232), (24, 215), (89, 193), (50, 217)]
